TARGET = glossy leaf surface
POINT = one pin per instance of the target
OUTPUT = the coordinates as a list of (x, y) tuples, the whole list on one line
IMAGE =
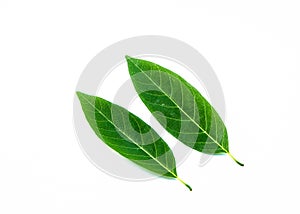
[(179, 107), (128, 135)]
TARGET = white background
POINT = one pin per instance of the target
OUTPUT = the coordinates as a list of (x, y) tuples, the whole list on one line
[(254, 48)]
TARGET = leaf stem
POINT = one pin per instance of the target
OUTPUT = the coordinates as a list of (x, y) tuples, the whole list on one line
[(188, 186), (233, 158)]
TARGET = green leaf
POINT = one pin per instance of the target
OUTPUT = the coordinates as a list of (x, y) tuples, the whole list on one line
[(128, 135), (179, 107)]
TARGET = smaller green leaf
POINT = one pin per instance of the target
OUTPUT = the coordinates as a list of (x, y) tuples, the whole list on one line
[(129, 135)]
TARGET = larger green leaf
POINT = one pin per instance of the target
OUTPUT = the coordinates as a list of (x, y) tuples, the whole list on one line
[(128, 135), (179, 107)]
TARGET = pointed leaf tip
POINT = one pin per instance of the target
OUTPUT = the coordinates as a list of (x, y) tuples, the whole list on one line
[(132, 64), (127, 57), (81, 94), (78, 93)]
